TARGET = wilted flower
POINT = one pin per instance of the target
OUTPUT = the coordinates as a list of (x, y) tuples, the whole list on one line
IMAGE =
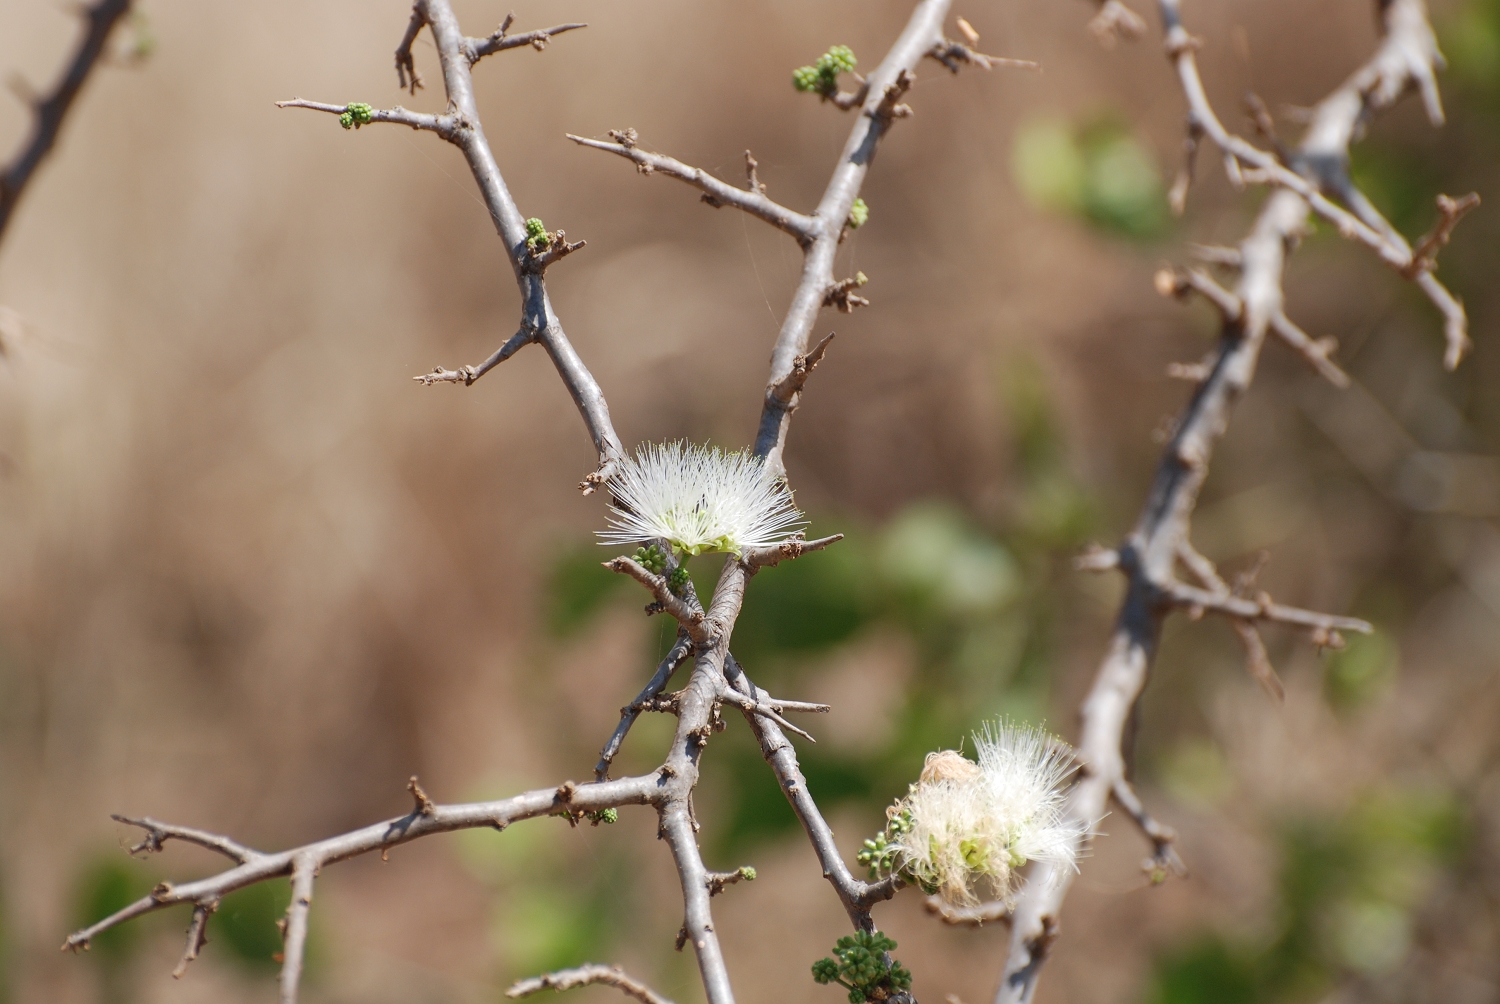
[(699, 499), (965, 825)]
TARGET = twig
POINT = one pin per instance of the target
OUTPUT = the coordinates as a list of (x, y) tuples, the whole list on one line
[(468, 374), (478, 48), (680, 652), (715, 192), (802, 367), (750, 706), (158, 833), (197, 936), (294, 933), (968, 916), (1163, 838), (856, 895), (775, 554), (1116, 21), (567, 979), (682, 611), (718, 881), (49, 112), (1450, 210)]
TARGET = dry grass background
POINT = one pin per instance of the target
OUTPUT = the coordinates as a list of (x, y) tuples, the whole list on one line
[(252, 577)]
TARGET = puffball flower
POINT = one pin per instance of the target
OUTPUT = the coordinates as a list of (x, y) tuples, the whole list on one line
[(699, 499), (967, 825)]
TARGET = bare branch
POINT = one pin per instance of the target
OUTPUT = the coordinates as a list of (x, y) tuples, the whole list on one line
[(750, 706), (197, 936), (677, 829), (468, 374), (1314, 351), (499, 41), (1405, 58), (857, 896), (158, 833), (49, 112), (406, 67), (968, 916), (766, 557), (718, 881), (1450, 210), (1259, 609), (1164, 859), (841, 295), (956, 55), (802, 366), (1214, 255), (683, 612), (294, 933), (443, 125), (1149, 555), (680, 652), (538, 317), (1116, 21), (715, 192), (585, 974)]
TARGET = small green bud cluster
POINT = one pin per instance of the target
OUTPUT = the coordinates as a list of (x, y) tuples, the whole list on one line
[(859, 215), (678, 580), (879, 854), (823, 78), (536, 234), (356, 114), (747, 873), (605, 816), (859, 964), (651, 559)]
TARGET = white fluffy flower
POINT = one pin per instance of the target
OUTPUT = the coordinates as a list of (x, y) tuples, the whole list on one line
[(699, 499), (965, 825)]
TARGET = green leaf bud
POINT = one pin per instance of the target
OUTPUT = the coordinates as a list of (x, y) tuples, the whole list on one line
[(806, 78), (825, 971), (839, 58), (859, 215)]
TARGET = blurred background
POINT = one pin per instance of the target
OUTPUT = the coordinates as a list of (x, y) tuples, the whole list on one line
[(252, 577)]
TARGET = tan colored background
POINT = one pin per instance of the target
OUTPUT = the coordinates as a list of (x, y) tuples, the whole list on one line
[(252, 577)]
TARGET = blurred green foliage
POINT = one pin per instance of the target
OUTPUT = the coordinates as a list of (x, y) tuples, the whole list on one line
[(1094, 169), (105, 884), (543, 918), (246, 924), (1360, 672), (1349, 889)]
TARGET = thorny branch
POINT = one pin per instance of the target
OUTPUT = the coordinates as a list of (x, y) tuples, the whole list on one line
[(460, 125), (48, 112), (1406, 59), (1318, 170), (879, 103), (715, 678), (567, 979)]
